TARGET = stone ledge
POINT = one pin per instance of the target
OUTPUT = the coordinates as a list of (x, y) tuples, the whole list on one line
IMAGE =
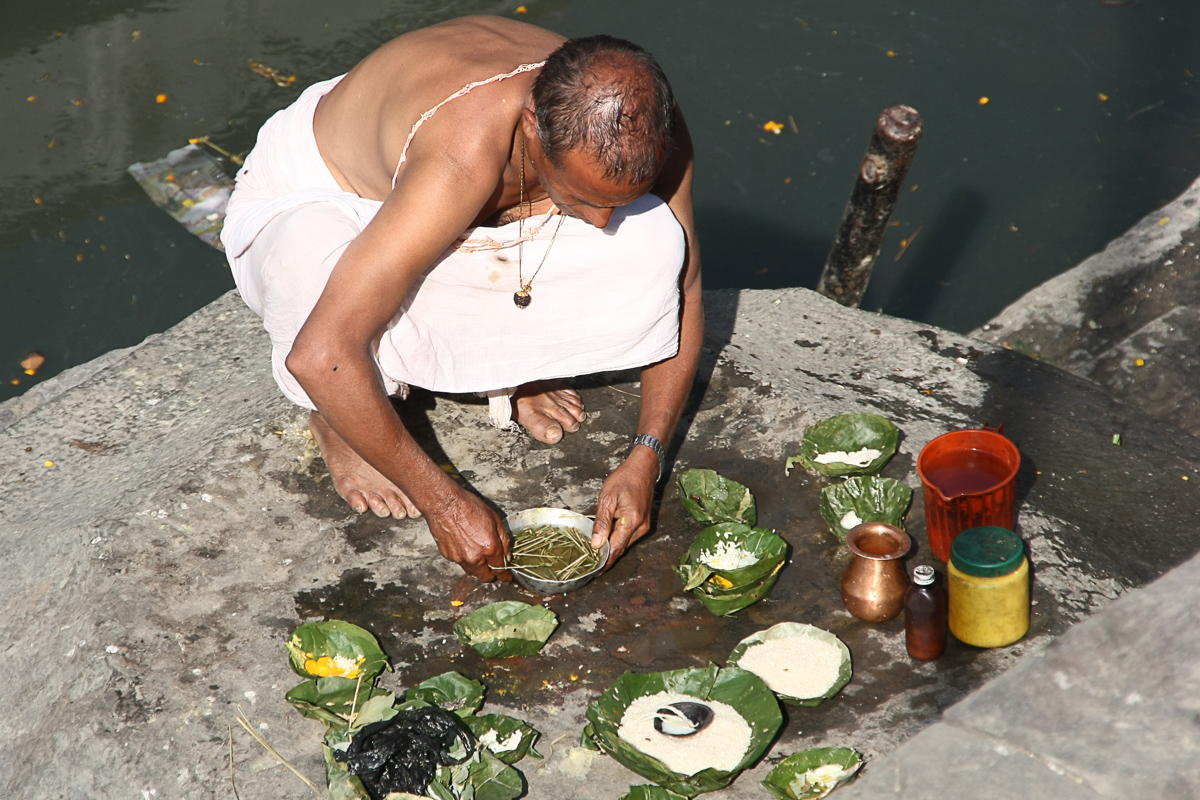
[(151, 574)]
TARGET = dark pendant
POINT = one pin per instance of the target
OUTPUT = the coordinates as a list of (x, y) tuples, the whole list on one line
[(522, 299)]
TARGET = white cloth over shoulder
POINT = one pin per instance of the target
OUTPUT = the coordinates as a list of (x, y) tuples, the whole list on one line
[(604, 299)]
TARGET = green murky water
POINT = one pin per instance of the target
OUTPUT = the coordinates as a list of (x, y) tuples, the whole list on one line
[(1092, 120)]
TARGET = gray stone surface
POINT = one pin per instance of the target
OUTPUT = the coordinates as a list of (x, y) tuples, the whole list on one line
[(1124, 318), (166, 522), (950, 762), (1110, 710)]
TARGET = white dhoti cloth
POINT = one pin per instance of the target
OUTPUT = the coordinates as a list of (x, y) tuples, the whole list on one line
[(604, 299)]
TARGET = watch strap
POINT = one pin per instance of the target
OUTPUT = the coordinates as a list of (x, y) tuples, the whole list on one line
[(654, 444)]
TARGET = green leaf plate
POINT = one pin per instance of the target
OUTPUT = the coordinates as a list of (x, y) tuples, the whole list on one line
[(869, 497), (788, 630), (335, 649), (743, 690), (788, 780), (724, 592), (711, 498), (513, 738), (451, 691), (847, 433), (331, 699), (505, 629)]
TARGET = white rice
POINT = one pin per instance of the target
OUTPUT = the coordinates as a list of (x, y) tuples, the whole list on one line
[(492, 741), (859, 458), (727, 556), (823, 778), (851, 520), (720, 746), (797, 666)]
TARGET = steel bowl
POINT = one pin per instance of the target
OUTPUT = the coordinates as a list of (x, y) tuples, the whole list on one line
[(530, 517)]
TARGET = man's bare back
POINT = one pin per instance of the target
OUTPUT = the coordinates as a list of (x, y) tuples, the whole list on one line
[(362, 125)]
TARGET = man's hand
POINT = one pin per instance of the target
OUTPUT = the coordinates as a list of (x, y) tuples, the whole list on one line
[(623, 511), (470, 534)]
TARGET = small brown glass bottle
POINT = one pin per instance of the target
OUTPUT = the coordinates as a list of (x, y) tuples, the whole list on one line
[(925, 616)]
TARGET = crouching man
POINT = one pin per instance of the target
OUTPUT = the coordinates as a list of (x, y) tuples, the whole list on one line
[(478, 206)]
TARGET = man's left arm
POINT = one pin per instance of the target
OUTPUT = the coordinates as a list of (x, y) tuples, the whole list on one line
[(623, 510)]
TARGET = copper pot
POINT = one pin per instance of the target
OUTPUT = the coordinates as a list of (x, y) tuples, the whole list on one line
[(874, 584)]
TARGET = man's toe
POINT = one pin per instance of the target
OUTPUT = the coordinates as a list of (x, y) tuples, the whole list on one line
[(379, 505), (396, 505), (356, 500)]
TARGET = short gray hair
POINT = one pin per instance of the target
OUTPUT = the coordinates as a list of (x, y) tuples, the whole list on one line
[(612, 98)]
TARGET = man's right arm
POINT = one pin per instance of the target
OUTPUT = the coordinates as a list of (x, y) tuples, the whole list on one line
[(332, 354)]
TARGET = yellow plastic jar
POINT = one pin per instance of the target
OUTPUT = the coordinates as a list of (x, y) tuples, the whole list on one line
[(988, 581)]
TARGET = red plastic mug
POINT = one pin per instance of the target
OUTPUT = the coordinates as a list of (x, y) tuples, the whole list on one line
[(970, 480)]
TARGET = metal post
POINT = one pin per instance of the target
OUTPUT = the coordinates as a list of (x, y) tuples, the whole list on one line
[(880, 179)]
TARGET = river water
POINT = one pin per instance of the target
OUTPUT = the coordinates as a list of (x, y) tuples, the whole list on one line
[(1091, 120)]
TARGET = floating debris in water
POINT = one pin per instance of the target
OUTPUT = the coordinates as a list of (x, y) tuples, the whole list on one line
[(259, 68), (32, 363)]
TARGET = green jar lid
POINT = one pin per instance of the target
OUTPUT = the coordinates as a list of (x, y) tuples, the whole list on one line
[(987, 552)]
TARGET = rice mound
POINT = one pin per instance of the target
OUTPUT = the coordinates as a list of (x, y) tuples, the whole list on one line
[(797, 666), (721, 745)]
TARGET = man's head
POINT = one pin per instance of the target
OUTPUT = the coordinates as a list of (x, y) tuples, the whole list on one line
[(610, 99)]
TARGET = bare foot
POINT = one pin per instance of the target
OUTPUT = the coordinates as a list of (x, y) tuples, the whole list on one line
[(546, 409), (359, 484)]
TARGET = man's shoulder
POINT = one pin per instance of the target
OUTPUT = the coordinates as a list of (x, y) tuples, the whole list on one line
[(498, 33)]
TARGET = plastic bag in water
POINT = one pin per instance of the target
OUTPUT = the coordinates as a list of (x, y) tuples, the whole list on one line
[(191, 186)]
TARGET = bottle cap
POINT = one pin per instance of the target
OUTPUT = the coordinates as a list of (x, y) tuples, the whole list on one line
[(923, 575), (987, 552)]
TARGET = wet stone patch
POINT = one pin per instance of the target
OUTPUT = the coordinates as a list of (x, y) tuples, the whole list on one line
[(636, 617)]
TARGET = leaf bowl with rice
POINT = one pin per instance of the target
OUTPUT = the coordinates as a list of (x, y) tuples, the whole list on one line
[(864, 498), (747, 717), (730, 566), (812, 774), (802, 664), (847, 444)]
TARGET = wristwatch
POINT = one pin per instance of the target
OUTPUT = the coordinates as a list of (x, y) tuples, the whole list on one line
[(654, 444)]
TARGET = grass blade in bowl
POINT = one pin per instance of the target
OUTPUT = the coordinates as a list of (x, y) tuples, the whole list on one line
[(551, 550), (553, 553)]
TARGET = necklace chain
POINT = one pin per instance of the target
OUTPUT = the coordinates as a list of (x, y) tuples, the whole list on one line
[(522, 298)]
